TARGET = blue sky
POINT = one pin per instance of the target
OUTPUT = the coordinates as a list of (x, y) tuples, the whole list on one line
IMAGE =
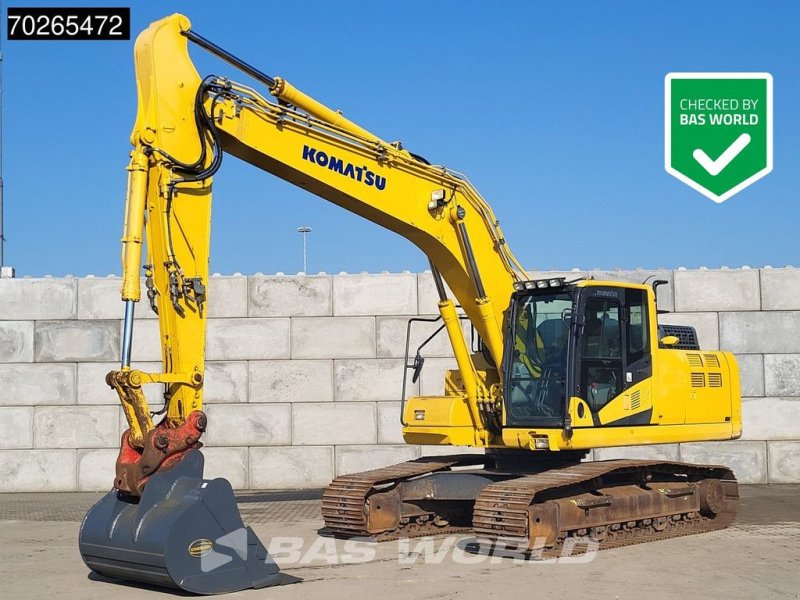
[(554, 110)]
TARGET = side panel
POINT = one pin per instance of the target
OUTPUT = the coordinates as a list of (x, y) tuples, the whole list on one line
[(695, 387), (633, 407), (439, 420), (607, 437), (709, 389), (671, 387)]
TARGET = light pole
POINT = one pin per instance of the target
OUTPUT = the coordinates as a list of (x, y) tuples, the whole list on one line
[(2, 237), (305, 231), (5, 270)]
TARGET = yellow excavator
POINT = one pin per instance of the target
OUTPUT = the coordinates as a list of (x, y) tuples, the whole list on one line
[(555, 369)]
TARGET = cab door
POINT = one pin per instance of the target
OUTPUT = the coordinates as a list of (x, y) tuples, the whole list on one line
[(613, 359)]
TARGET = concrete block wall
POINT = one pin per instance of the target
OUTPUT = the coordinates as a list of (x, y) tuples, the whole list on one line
[(304, 373)]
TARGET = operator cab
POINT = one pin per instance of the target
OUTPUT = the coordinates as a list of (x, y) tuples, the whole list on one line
[(588, 340)]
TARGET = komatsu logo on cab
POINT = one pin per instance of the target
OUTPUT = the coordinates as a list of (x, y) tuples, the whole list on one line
[(362, 174)]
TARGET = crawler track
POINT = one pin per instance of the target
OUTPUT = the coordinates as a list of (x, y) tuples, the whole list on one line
[(345, 504), (613, 503), (509, 510)]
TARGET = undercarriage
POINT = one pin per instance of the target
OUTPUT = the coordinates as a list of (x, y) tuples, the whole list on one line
[(533, 506)]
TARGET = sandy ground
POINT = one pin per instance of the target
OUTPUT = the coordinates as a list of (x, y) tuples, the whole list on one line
[(759, 557)]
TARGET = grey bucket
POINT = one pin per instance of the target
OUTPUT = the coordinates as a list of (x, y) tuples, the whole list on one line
[(184, 532)]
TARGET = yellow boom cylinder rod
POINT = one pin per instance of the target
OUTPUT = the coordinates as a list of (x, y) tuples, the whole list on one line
[(493, 339), (288, 93), (134, 225), (453, 326)]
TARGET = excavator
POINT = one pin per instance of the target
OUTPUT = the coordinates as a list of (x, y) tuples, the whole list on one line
[(554, 368)]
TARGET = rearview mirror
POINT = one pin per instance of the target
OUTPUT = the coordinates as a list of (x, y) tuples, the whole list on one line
[(418, 363)]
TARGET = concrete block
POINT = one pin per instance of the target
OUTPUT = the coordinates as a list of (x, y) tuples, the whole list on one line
[(784, 462), (16, 341), (352, 459), (369, 380), (780, 289), (751, 374), (390, 430), (666, 295), (93, 389), (655, 452), (392, 338), (782, 374), (225, 382), (38, 470), (146, 345), (76, 341), (229, 463), (99, 298), (315, 424), (291, 381), (249, 424), (427, 296), (299, 296), (760, 332), (16, 427), (96, 469), (36, 384), (46, 298), (227, 297), (287, 467), (771, 418), (748, 460), (334, 337), (736, 289), (247, 339), (375, 294), (76, 427), (431, 380), (706, 325)]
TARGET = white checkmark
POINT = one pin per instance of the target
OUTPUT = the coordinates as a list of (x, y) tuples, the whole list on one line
[(714, 167)]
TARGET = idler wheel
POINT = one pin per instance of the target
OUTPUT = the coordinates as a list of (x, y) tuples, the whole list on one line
[(712, 497)]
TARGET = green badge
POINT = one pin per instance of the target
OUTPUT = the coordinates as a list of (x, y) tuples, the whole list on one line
[(718, 130)]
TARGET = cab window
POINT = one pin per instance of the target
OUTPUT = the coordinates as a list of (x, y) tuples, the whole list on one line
[(636, 301), (601, 366), (602, 330), (538, 367)]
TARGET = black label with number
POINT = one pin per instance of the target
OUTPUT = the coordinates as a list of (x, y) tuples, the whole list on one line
[(68, 23)]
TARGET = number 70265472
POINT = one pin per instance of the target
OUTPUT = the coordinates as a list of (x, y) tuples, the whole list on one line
[(68, 23)]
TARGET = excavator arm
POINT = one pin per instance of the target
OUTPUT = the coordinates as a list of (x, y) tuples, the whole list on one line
[(184, 126)]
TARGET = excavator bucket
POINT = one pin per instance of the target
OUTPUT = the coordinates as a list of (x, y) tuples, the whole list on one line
[(184, 532)]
